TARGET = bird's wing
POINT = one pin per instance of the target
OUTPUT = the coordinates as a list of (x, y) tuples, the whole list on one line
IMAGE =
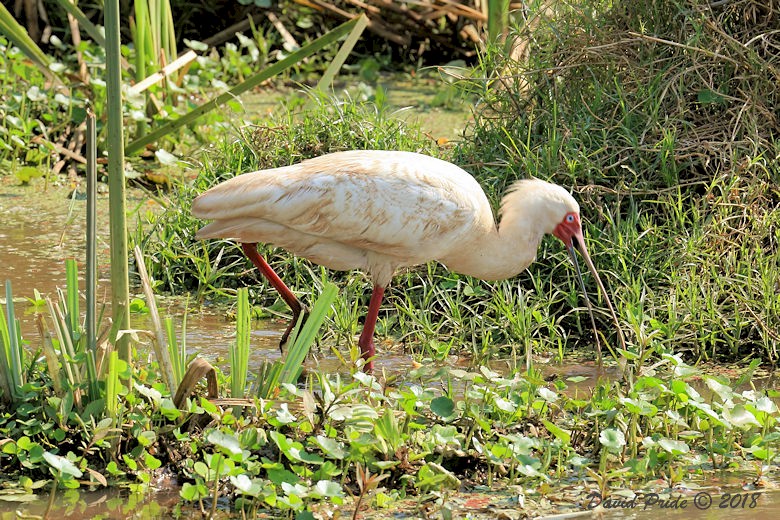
[(399, 204)]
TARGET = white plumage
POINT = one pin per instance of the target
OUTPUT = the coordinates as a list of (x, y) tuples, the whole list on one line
[(381, 210)]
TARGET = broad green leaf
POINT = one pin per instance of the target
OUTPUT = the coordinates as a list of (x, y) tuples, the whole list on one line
[(146, 438), (228, 443), (740, 416), (62, 465), (331, 447), (612, 439), (674, 447), (443, 406), (328, 488)]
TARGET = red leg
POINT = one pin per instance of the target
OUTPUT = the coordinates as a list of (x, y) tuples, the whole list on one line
[(366, 341), (292, 301)]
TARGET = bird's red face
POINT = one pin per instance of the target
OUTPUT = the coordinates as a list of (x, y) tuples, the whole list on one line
[(570, 228)]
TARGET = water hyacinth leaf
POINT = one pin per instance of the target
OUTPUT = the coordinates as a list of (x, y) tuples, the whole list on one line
[(445, 436), (284, 416), (246, 485), (443, 406), (740, 416), (294, 450), (684, 370), (151, 461), (707, 409), (649, 382), (62, 99), (499, 452), (434, 476), (328, 488), (503, 405), (295, 490), (208, 406), (547, 394), (327, 471), (724, 391), (155, 396), (280, 476), (675, 417), (34, 93), (201, 469), (192, 492), (680, 389), (368, 381), (529, 470), (146, 438), (674, 447), (639, 407), (298, 453), (766, 405), (131, 463), (282, 442), (169, 410), (226, 442), (612, 439), (340, 413), (331, 447), (750, 395), (760, 452), (62, 465)]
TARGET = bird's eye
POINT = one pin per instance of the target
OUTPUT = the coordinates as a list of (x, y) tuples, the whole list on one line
[(569, 218)]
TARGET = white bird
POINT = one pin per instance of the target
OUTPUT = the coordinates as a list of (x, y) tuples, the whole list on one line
[(378, 211)]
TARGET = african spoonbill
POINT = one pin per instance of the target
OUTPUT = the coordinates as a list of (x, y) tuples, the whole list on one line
[(378, 211)]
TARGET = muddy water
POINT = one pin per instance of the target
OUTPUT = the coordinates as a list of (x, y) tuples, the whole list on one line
[(40, 227)]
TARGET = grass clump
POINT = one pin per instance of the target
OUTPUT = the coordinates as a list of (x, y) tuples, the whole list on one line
[(662, 116), (662, 119)]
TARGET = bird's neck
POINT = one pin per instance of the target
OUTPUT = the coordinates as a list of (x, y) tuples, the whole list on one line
[(502, 251)]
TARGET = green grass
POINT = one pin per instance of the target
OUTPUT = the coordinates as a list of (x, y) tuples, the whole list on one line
[(682, 223)]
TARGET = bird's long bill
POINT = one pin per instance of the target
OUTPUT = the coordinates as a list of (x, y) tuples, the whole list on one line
[(580, 241)]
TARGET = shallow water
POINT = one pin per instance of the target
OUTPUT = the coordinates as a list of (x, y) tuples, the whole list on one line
[(717, 501)]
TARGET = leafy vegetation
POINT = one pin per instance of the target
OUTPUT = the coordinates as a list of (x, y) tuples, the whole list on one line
[(330, 437), (669, 172), (661, 117)]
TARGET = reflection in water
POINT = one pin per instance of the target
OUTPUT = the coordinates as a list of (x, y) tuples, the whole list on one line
[(112, 503)]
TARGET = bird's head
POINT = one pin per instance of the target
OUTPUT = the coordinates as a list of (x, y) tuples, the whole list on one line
[(552, 208), (556, 209)]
